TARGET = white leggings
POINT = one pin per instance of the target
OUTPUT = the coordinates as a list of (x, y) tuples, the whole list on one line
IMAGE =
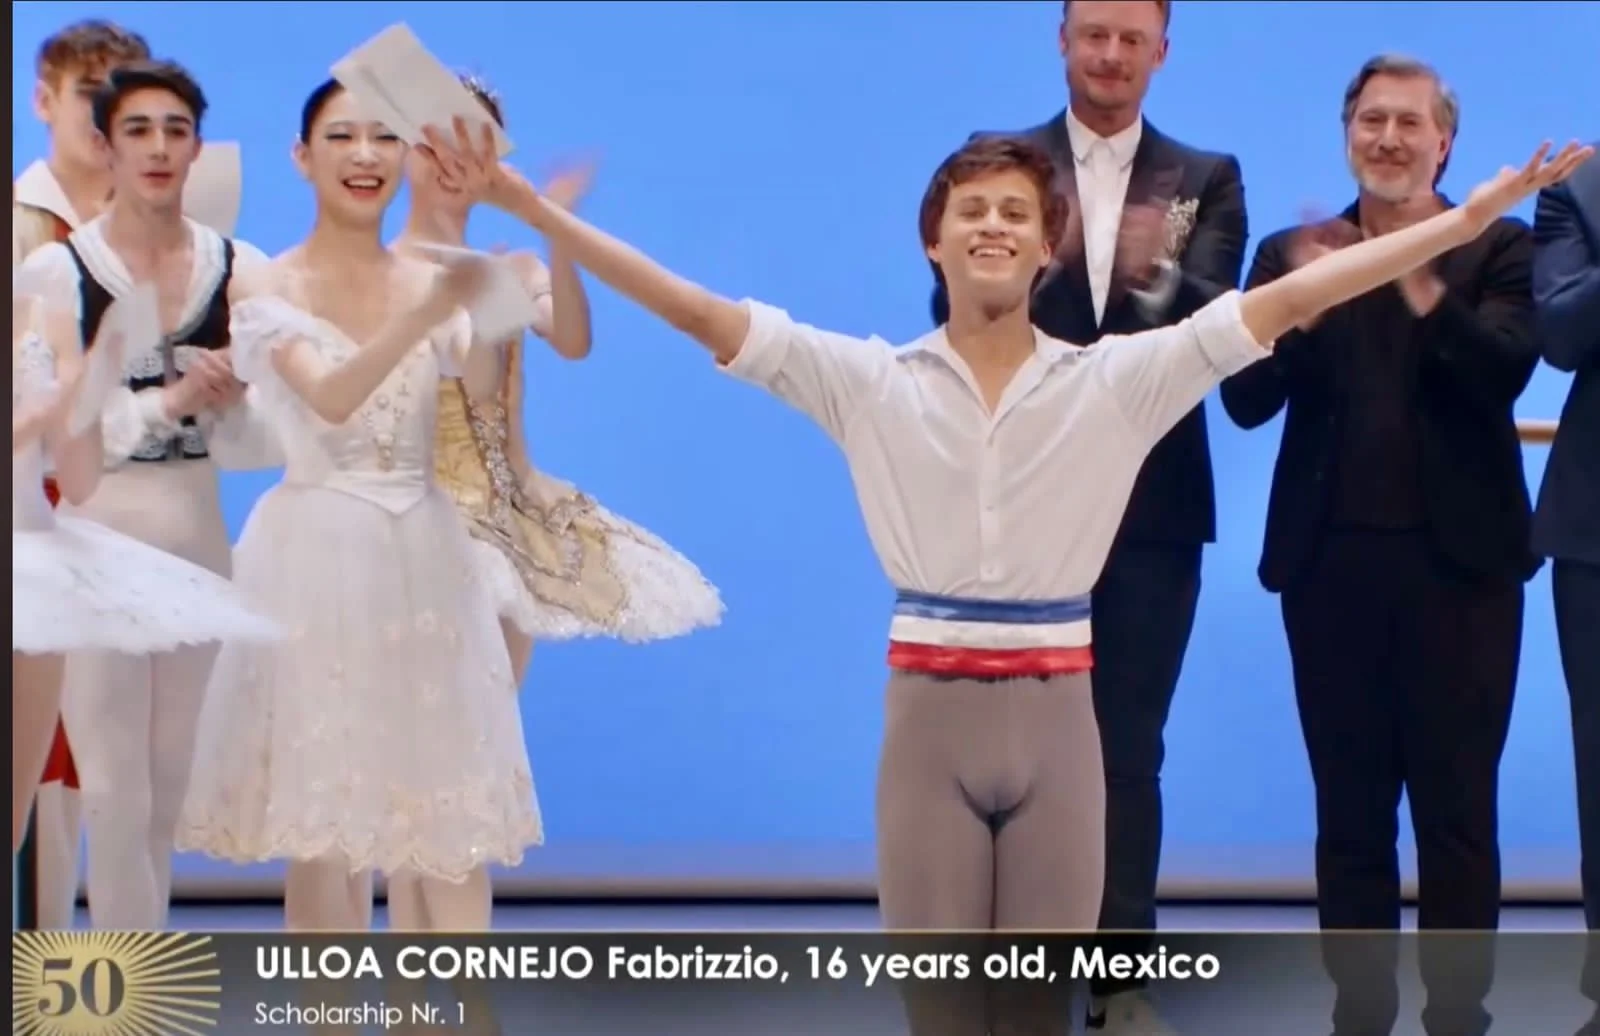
[(131, 722), (131, 718), (58, 836)]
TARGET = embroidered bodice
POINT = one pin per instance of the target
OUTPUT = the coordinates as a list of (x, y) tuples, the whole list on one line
[(385, 452)]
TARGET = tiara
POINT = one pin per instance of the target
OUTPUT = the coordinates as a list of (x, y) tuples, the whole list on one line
[(479, 85)]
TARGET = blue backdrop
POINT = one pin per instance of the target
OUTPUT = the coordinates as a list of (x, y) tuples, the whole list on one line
[(779, 150)]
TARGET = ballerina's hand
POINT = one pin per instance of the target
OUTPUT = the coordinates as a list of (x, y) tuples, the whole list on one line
[(455, 285), (1495, 197), (569, 187), (469, 162)]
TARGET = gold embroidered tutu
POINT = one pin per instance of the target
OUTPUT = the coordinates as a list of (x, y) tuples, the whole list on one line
[(557, 563)]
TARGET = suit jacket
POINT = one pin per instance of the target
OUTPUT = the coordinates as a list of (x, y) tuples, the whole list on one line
[(1566, 288), (1173, 500), (1470, 359)]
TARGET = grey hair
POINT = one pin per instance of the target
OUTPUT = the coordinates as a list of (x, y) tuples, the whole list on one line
[(1446, 105)]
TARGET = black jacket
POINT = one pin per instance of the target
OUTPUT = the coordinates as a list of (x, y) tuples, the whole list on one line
[(1473, 356)]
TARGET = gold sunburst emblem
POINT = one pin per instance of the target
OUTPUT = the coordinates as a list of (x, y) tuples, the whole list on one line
[(114, 984)]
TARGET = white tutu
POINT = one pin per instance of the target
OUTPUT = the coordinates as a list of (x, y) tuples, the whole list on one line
[(385, 731), (77, 585), (81, 586)]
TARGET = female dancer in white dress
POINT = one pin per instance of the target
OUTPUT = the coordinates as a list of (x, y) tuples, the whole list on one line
[(560, 565), (384, 735), (77, 585)]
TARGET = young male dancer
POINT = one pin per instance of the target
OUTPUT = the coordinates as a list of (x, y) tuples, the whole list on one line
[(52, 198), (131, 718), (971, 449)]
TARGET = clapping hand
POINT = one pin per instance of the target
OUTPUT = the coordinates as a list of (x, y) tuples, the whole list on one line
[(216, 384), (1140, 242), (1495, 197), (568, 187), (454, 286), (1069, 247), (1318, 236)]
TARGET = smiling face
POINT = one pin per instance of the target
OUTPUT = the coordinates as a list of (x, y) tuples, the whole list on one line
[(354, 164), (1396, 137), (990, 219), (991, 243)]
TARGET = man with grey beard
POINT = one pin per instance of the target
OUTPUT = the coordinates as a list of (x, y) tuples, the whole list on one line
[(1397, 537)]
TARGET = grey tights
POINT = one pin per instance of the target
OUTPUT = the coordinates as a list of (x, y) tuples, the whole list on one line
[(991, 815)]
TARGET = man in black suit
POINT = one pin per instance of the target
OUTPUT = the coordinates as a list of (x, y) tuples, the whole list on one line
[(1157, 230), (1566, 527), (1398, 538)]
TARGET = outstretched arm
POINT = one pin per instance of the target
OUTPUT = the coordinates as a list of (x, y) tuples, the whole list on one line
[(718, 323), (1271, 310), (1566, 281), (1258, 393), (822, 374)]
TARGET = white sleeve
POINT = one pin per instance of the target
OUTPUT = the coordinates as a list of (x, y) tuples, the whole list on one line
[(129, 418), (1160, 375), (825, 375)]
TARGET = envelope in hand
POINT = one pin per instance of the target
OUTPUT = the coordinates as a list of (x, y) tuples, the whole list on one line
[(504, 307), (397, 82), (133, 323)]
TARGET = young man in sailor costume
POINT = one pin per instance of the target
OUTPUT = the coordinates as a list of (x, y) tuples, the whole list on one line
[(52, 198), (181, 416)]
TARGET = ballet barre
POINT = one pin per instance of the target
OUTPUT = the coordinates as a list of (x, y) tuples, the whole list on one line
[(1537, 432)]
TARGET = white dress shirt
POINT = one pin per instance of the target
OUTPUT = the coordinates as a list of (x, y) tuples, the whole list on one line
[(1020, 505), (1102, 169)]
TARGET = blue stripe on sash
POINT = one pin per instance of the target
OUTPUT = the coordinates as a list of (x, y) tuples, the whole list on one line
[(972, 609)]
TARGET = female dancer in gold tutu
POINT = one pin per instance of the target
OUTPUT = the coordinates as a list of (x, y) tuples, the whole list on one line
[(560, 565)]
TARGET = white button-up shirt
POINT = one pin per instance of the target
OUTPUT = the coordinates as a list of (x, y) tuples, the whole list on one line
[(1102, 170), (1020, 505), (1104, 167)]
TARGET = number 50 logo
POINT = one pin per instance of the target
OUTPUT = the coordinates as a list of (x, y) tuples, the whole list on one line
[(128, 983)]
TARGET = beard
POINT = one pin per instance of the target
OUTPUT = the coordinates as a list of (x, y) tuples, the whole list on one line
[(1392, 191)]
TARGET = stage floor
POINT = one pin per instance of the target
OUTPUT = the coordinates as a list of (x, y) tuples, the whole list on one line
[(622, 916), (1525, 1002)]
